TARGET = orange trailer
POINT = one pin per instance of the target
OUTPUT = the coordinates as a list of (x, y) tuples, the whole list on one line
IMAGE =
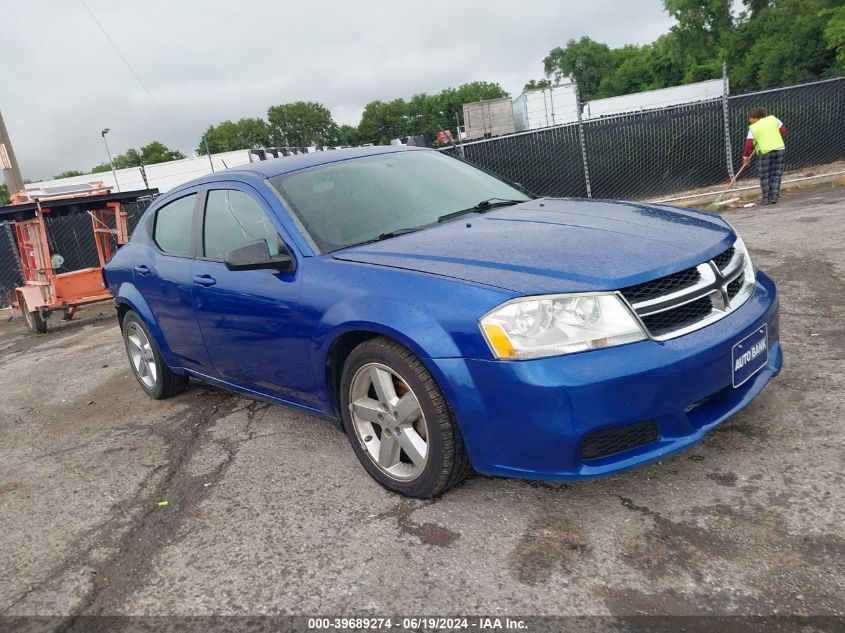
[(45, 291)]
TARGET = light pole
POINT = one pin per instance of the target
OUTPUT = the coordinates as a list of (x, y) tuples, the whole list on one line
[(207, 153), (111, 163)]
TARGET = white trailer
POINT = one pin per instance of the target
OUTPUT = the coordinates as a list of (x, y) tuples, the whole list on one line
[(535, 109), (654, 99), (493, 117)]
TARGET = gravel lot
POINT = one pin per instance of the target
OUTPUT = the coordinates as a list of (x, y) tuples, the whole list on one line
[(270, 513)]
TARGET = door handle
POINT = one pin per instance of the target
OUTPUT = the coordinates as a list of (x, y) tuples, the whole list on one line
[(142, 270), (204, 280)]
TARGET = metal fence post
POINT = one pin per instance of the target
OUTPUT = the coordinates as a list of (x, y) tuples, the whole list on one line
[(583, 144), (458, 131), (726, 113)]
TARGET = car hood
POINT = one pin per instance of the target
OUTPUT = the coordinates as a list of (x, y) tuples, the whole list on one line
[(556, 245)]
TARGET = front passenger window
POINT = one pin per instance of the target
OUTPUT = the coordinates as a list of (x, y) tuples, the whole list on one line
[(232, 219)]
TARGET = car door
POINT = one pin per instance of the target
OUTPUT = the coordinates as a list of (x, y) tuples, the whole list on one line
[(250, 319), (164, 280)]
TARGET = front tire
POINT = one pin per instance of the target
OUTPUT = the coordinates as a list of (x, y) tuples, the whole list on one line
[(399, 423), (156, 379)]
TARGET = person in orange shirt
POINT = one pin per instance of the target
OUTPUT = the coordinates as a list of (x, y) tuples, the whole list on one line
[(444, 138)]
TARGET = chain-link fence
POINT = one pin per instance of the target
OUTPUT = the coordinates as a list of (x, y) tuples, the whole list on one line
[(643, 155), (813, 113), (661, 152), (516, 158), (10, 267), (70, 236)]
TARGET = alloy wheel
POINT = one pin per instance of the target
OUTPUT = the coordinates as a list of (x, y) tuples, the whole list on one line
[(388, 421), (141, 354)]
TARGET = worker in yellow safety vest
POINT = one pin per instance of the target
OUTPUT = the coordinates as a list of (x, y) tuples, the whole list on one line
[(765, 138)]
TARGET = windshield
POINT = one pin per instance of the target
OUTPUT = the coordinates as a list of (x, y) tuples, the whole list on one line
[(355, 201)]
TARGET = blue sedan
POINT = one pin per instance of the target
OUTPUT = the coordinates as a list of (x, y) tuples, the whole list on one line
[(448, 320)]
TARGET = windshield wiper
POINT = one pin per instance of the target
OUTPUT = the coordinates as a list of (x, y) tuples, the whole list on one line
[(484, 205), (386, 236), (389, 234)]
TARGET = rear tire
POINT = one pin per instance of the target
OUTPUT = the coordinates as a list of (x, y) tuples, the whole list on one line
[(156, 379), (399, 423), (35, 321)]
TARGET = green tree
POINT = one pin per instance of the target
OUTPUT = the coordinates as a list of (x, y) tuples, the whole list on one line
[(347, 135), (150, 154), (537, 84), (478, 91), (382, 121), (228, 136), (585, 61), (702, 26), (4, 194), (631, 72), (301, 124), (834, 33), (156, 152), (665, 61), (132, 158), (786, 42), (770, 43), (423, 114), (754, 6), (254, 131), (70, 173)]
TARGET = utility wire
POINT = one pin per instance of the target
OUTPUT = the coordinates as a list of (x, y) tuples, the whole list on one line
[(125, 61)]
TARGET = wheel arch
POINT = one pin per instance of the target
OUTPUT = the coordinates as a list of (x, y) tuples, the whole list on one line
[(349, 323), (129, 298), (339, 350), (341, 343)]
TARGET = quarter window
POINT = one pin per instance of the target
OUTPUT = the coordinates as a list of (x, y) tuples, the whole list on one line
[(173, 226), (232, 219)]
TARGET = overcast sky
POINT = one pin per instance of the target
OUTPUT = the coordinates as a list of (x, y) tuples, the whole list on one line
[(206, 61)]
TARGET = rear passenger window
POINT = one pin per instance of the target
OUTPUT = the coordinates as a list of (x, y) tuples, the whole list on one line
[(232, 219), (173, 226)]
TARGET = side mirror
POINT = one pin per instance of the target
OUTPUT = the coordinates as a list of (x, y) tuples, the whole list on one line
[(256, 256)]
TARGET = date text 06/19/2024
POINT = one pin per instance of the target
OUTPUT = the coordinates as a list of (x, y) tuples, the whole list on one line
[(415, 623)]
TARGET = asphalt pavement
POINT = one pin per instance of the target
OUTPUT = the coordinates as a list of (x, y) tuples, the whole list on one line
[(268, 511)]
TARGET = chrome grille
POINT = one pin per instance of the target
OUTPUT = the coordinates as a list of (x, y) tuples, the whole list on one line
[(662, 286), (669, 320), (734, 287), (692, 298), (723, 259)]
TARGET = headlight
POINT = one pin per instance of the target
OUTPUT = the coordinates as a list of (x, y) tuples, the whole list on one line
[(552, 325)]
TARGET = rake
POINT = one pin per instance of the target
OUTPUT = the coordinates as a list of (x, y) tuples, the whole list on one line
[(714, 206)]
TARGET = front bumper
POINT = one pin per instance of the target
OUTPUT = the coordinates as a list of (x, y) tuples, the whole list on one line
[(527, 419)]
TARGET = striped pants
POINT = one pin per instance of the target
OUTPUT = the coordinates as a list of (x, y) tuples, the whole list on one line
[(770, 169)]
